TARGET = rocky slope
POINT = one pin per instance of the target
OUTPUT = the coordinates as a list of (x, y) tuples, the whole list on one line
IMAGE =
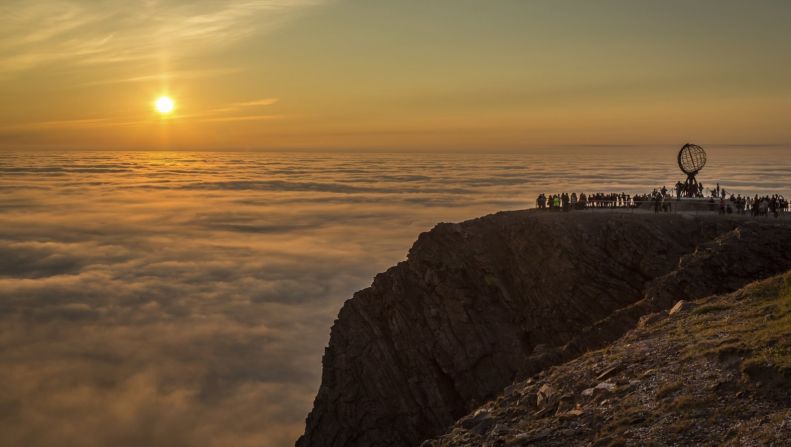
[(482, 304), (712, 372)]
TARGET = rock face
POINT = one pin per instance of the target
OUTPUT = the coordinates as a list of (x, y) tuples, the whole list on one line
[(717, 372), (484, 303)]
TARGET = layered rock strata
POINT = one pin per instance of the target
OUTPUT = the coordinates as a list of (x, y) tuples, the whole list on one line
[(484, 303)]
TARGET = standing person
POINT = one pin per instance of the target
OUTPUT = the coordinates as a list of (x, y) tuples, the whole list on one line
[(773, 205), (573, 200)]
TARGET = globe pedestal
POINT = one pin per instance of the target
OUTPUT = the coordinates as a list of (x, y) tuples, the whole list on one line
[(691, 187)]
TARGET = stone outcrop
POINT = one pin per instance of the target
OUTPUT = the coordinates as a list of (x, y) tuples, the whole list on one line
[(484, 303), (715, 372)]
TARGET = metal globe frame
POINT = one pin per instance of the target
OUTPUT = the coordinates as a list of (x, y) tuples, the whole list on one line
[(691, 159)]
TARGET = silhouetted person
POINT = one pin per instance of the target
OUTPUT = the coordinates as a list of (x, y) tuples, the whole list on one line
[(773, 206), (541, 202)]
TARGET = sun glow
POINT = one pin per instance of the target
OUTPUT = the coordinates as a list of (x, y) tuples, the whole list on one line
[(164, 105)]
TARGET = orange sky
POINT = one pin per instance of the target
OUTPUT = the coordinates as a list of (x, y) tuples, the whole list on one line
[(445, 74)]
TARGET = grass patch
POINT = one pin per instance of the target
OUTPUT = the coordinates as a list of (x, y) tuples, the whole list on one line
[(685, 402), (768, 289), (680, 426), (689, 407), (711, 308), (668, 389), (769, 338), (756, 326)]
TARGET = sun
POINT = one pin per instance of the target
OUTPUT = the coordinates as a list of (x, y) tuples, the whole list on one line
[(164, 105)]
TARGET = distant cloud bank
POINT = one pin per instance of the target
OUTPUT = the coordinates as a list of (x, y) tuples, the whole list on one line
[(185, 299)]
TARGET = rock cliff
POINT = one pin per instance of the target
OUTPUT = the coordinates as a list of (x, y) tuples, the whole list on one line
[(484, 303), (716, 371)]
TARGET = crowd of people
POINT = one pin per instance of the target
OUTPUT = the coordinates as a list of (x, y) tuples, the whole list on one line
[(755, 206), (695, 190), (566, 202), (661, 200)]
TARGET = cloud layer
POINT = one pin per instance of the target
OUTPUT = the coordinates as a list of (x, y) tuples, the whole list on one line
[(184, 299)]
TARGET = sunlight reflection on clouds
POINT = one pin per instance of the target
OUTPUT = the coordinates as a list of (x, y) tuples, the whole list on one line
[(185, 298)]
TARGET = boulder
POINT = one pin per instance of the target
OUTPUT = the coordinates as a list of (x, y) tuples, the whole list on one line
[(680, 306), (546, 396)]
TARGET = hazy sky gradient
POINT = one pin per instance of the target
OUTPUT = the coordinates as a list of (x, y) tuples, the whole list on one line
[(449, 74)]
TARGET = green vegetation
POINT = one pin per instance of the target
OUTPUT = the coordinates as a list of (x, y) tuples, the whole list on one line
[(680, 426), (770, 341), (490, 280), (710, 308), (718, 370), (668, 389), (757, 329)]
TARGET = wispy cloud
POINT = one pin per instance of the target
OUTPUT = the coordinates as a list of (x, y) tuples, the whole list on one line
[(258, 102), (114, 31), (237, 111), (168, 76), (236, 106), (79, 123), (242, 118)]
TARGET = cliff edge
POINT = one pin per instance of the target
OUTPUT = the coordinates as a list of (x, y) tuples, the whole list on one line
[(485, 303)]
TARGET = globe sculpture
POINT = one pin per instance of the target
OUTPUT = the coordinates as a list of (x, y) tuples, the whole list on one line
[(691, 159)]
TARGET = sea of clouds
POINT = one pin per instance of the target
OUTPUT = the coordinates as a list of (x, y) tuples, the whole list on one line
[(185, 299)]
